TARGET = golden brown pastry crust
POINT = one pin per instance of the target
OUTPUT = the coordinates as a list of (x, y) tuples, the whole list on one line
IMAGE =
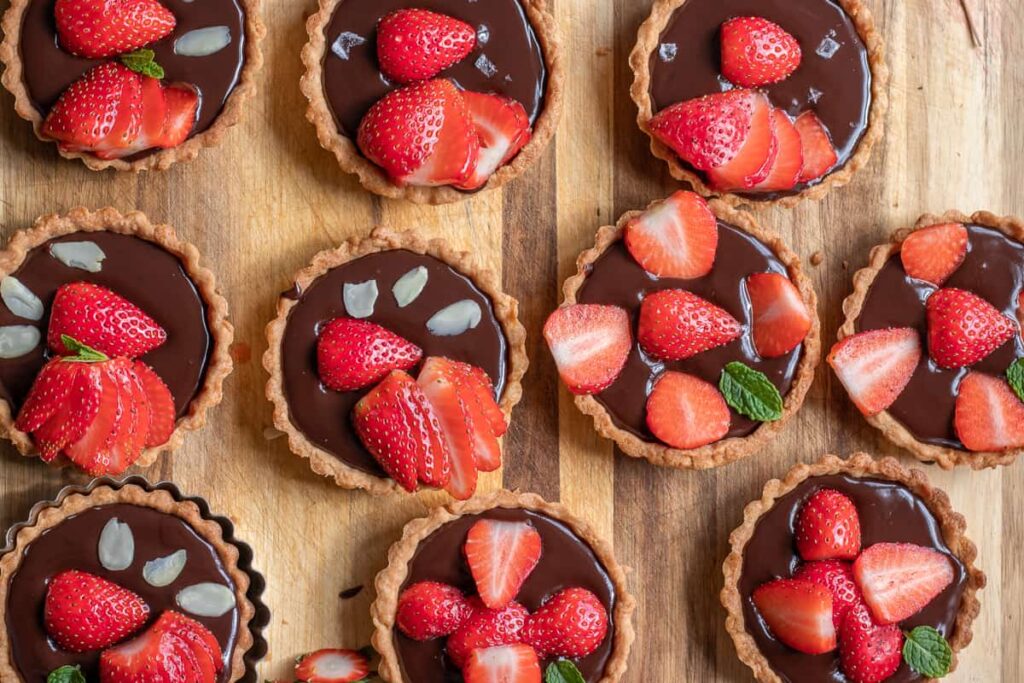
[(952, 524), (370, 175), (726, 450), (891, 428), (134, 223), (234, 106), (51, 515), (389, 581), (506, 311), (639, 60)]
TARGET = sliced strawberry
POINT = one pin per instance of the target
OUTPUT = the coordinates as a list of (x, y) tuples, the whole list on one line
[(989, 416), (104, 28), (503, 664), (477, 381), (798, 613), (49, 393), (876, 366), (837, 577), (417, 44), (154, 109), (963, 328), (828, 527), (486, 628), (182, 106), (83, 612), (501, 556), (676, 324), (789, 157), (590, 344), (781, 318), (899, 579), (110, 423), (204, 644), (757, 52), (687, 412), (934, 253), (353, 354), (422, 134), (91, 398), (428, 610), (452, 389), (156, 655), (162, 413), (677, 237), (572, 623), (103, 320), (128, 446), (503, 128), (755, 160), (332, 666), (869, 652), (818, 153)]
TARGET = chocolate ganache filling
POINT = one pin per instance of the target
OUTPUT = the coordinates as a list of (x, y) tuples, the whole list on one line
[(833, 79), (73, 544), (617, 279), (566, 562), (507, 59), (994, 270), (324, 415), (145, 274), (889, 513)]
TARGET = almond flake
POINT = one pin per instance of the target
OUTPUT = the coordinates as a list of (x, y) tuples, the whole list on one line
[(203, 42), (17, 340), (83, 255), (117, 546), (206, 599), (360, 298), (455, 319), (410, 285), (164, 570), (20, 299)]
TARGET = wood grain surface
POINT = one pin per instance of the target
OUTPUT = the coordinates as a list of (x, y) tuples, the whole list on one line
[(263, 203)]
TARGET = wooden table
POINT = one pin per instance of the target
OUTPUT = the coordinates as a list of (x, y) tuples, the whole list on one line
[(262, 204)]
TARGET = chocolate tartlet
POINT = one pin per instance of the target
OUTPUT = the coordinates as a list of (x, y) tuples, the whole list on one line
[(608, 274), (517, 56), (65, 535), (147, 263), (896, 505), (842, 78), (39, 70), (316, 419), (431, 550), (922, 417)]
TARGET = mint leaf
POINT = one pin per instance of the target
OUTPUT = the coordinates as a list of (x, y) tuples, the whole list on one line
[(141, 61), (927, 652), (82, 353), (1015, 373), (750, 393), (563, 671), (66, 674)]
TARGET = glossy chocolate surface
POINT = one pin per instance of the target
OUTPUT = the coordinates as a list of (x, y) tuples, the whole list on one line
[(142, 272), (837, 88), (994, 270), (73, 544), (566, 562), (890, 513), (615, 278), (352, 85), (49, 70), (324, 415)]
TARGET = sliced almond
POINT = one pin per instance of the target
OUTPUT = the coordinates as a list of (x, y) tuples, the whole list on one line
[(117, 546), (83, 255), (455, 319), (17, 340), (163, 571), (20, 299), (410, 286), (203, 42), (206, 599), (360, 298)]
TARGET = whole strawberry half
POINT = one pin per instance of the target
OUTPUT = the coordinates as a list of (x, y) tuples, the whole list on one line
[(352, 354), (332, 666), (828, 527), (428, 610), (83, 612), (686, 412), (989, 416), (103, 320), (590, 344), (103, 28), (963, 328), (869, 652), (756, 52), (899, 579), (676, 324), (501, 556), (798, 613), (503, 664), (837, 577), (781, 317), (486, 628), (572, 623), (677, 237), (422, 134), (417, 44), (875, 366), (934, 253)]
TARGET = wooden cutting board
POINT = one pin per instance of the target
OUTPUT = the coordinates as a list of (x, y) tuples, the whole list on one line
[(262, 204)]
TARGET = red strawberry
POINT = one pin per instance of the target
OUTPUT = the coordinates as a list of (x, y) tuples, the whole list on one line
[(417, 44), (439, 381), (676, 324), (99, 318), (730, 135), (477, 381), (876, 366), (428, 610), (158, 654), (114, 440), (828, 527), (757, 52), (486, 628), (504, 664), (590, 344), (422, 134), (799, 613), (869, 652), (789, 159), (687, 412), (332, 666), (963, 328), (837, 577), (501, 556), (205, 647), (162, 413), (397, 425), (105, 28), (819, 154), (932, 254), (83, 612), (503, 128), (781, 318), (989, 416), (677, 237), (182, 104), (899, 579), (353, 354), (477, 396), (572, 623)]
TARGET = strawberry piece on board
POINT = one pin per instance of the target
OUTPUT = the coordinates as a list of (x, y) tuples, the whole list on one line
[(417, 44), (837, 577), (818, 153), (501, 556), (828, 527), (677, 237), (676, 324), (869, 652), (486, 628), (686, 412), (875, 366), (503, 128), (963, 328), (798, 613), (503, 664), (898, 580), (428, 610), (332, 666), (104, 28), (988, 416), (781, 318), (83, 612), (103, 320), (789, 157), (353, 354), (572, 623), (590, 344), (756, 52), (934, 253)]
